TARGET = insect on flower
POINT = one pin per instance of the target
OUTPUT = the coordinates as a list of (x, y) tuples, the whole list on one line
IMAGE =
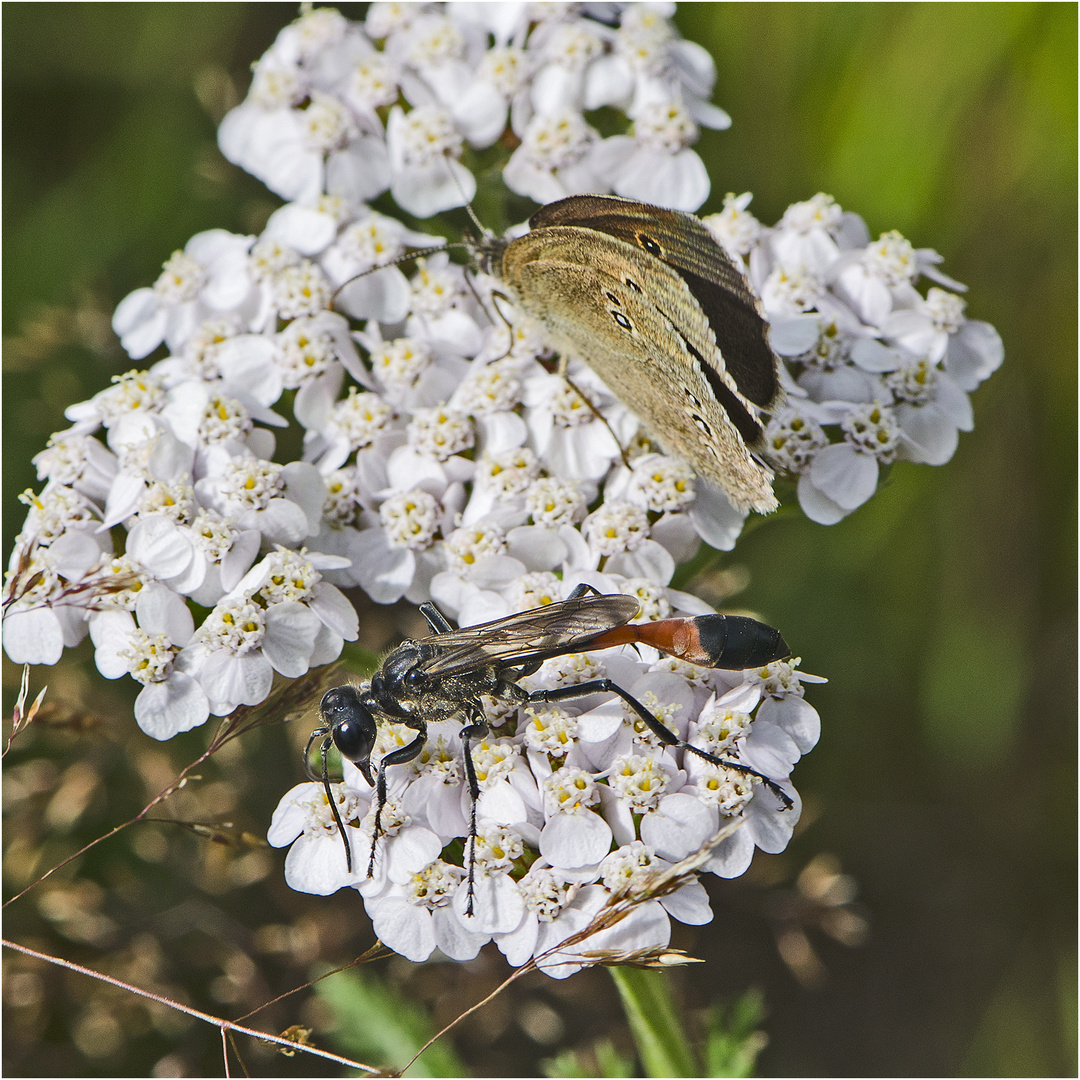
[(444, 676)]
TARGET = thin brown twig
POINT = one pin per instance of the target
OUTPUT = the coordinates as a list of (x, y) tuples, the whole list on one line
[(240, 721), (165, 792), (374, 953), (513, 977), (22, 717), (239, 1056), (217, 1021)]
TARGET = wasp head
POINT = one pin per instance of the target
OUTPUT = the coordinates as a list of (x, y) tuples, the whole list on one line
[(352, 726)]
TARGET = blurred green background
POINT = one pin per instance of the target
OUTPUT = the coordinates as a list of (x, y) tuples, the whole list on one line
[(943, 612)]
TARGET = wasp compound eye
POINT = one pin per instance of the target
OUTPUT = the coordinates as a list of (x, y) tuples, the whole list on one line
[(351, 723), (354, 735)]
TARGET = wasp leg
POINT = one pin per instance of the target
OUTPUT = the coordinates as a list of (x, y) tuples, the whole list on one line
[(664, 734), (583, 589), (476, 730), (330, 797), (398, 757), (435, 619)]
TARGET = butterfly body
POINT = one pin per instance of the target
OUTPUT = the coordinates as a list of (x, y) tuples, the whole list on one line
[(649, 300)]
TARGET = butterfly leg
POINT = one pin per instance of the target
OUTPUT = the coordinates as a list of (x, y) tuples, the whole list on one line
[(475, 730), (398, 757), (664, 734), (592, 408), (496, 295)]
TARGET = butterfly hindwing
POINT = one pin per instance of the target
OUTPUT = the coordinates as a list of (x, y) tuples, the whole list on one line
[(636, 323)]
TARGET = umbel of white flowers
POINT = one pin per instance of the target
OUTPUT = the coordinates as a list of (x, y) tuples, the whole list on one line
[(442, 461)]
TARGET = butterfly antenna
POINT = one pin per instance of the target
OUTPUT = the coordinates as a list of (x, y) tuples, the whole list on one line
[(481, 228), (407, 257)]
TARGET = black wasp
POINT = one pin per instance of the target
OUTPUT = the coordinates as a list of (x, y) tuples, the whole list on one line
[(444, 676)]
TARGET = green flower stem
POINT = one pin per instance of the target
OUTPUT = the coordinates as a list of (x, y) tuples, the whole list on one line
[(660, 1037)]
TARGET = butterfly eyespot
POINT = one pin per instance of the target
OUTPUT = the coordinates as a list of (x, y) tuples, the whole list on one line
[(690, 395), (649, 244), (633, 284), (622, 320), (613, 298), (701, 424)]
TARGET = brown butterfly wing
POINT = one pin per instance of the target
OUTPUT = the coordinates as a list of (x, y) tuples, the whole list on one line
[(636, 323), (735, 315)]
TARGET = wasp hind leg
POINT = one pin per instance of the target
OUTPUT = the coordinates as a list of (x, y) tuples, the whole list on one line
[(663, 733)]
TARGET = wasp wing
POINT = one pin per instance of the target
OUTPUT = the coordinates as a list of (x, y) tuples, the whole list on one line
[(558, 628)]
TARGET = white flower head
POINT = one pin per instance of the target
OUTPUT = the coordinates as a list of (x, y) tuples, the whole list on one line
[(872, 429), (410, 519), (616, 526), (440, 433), (737, 230)]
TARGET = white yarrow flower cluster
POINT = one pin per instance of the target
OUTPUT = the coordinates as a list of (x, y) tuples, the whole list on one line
[(446, 458), (881, 372)]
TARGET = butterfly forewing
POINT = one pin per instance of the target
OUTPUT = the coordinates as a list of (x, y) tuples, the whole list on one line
[(680, 240), (558, 628)]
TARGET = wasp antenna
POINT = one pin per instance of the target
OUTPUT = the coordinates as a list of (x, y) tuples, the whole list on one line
[(333, 803)]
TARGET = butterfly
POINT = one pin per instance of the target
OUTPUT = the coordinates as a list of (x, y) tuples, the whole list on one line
[(649, 299)]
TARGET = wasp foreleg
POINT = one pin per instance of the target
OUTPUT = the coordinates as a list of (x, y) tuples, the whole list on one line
[(318, 733), (329, 794), (397, 757)]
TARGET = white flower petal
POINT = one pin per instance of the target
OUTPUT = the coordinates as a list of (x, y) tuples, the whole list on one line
[(453, 938), (498, 907), (290, 637), (934, 437), (33, 637), (689, 905), (401, 926), (844, 475), (679, 826), (574, 840), (166, 708)]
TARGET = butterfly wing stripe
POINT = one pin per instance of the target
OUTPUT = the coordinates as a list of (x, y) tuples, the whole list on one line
[(746, 424), (740, 334)]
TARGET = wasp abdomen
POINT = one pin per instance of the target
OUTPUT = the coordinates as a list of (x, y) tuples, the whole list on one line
[(734, 642)]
